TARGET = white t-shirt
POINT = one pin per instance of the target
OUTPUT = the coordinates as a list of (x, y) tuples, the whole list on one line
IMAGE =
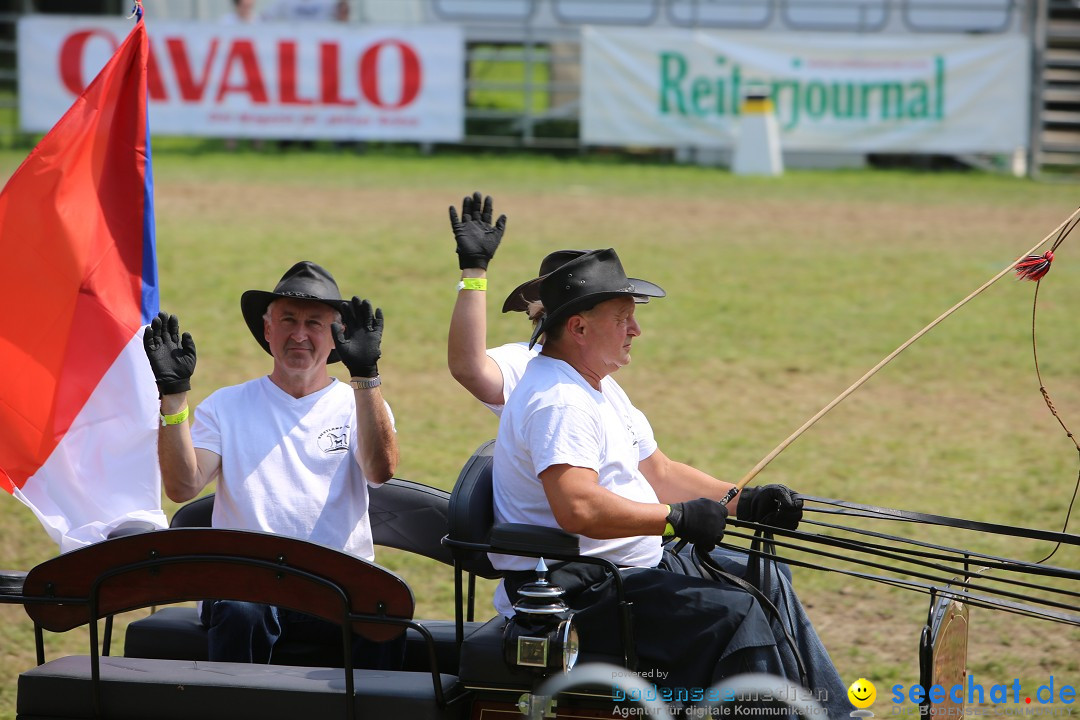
[(287, 464), (512, 360), (555, 417)]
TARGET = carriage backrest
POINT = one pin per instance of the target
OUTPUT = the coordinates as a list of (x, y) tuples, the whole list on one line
[(472, 511), (404, 515), (178, 565)]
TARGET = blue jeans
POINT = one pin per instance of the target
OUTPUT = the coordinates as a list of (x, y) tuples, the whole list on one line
[(824, 680), (247, 632)]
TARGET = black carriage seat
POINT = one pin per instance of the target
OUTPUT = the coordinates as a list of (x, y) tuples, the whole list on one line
[(472, 534), (404, 515), (131, 572), (471, 513)]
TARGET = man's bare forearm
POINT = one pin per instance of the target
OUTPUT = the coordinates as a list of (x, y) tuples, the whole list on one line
[(377, 453), (176, 454), (674, 481)]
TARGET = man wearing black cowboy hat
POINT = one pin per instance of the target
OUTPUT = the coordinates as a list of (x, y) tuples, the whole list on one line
[(573, 452), (488, 373), (293, 452), (491, 374)]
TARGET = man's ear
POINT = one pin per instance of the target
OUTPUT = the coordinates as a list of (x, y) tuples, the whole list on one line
[(575, 327)]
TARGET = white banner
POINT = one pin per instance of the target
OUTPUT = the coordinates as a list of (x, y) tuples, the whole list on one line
[(946, 94), (263, 80)]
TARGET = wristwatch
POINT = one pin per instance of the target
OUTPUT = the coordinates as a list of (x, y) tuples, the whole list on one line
[(365, 383)]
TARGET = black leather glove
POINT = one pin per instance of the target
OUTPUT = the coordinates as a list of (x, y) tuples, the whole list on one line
[(700, 521), (476, 237), (359, 340), (171, 355), (772, 505)]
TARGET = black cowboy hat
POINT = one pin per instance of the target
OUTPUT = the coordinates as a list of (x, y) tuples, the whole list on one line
[(303, 281), (585, 282), (529, 291)]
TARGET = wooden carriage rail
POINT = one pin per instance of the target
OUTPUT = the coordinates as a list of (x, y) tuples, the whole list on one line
[(178, 565)]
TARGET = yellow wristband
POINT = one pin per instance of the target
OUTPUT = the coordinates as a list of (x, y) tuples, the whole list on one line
[(668, 530), (472, 284), (177, 419)]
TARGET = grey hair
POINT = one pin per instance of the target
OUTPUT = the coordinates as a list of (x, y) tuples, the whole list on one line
[(266, 315)]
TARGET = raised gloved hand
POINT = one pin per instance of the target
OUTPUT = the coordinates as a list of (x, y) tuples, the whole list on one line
[(359, 340), (476, 237), (171, 355), (700, 521), (774, 505)]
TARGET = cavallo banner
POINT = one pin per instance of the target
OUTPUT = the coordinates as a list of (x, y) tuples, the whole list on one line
[(887, 93), (264, 80)]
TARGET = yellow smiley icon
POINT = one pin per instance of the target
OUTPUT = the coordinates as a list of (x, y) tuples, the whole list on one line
[(862, 693)]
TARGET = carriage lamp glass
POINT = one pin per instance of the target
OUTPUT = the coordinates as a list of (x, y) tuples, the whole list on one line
[(541, 636)]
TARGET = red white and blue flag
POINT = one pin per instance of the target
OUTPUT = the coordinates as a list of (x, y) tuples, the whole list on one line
[(78, 281)]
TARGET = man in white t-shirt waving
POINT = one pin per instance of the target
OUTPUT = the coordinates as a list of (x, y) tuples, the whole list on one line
[(293, 452), (573, 452)]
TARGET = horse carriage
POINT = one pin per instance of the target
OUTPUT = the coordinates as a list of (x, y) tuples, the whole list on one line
[(465, 668)]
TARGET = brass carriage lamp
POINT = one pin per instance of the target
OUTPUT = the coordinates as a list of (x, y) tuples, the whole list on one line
[(541, 636)]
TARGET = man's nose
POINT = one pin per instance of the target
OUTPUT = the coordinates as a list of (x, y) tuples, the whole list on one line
[(632, 328)]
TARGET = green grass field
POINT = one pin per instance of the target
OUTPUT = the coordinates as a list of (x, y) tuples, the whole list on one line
[(781, 292)]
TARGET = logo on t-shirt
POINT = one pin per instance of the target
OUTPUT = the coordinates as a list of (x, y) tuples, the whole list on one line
[(631, 430), (334, 440)]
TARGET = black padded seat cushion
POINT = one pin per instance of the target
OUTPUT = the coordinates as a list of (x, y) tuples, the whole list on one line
[(482, 663), (181, 690), (172, 633), (175, 633)]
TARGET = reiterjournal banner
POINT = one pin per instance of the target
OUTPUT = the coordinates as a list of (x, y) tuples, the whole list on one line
[(264, 80), (887, 93)]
